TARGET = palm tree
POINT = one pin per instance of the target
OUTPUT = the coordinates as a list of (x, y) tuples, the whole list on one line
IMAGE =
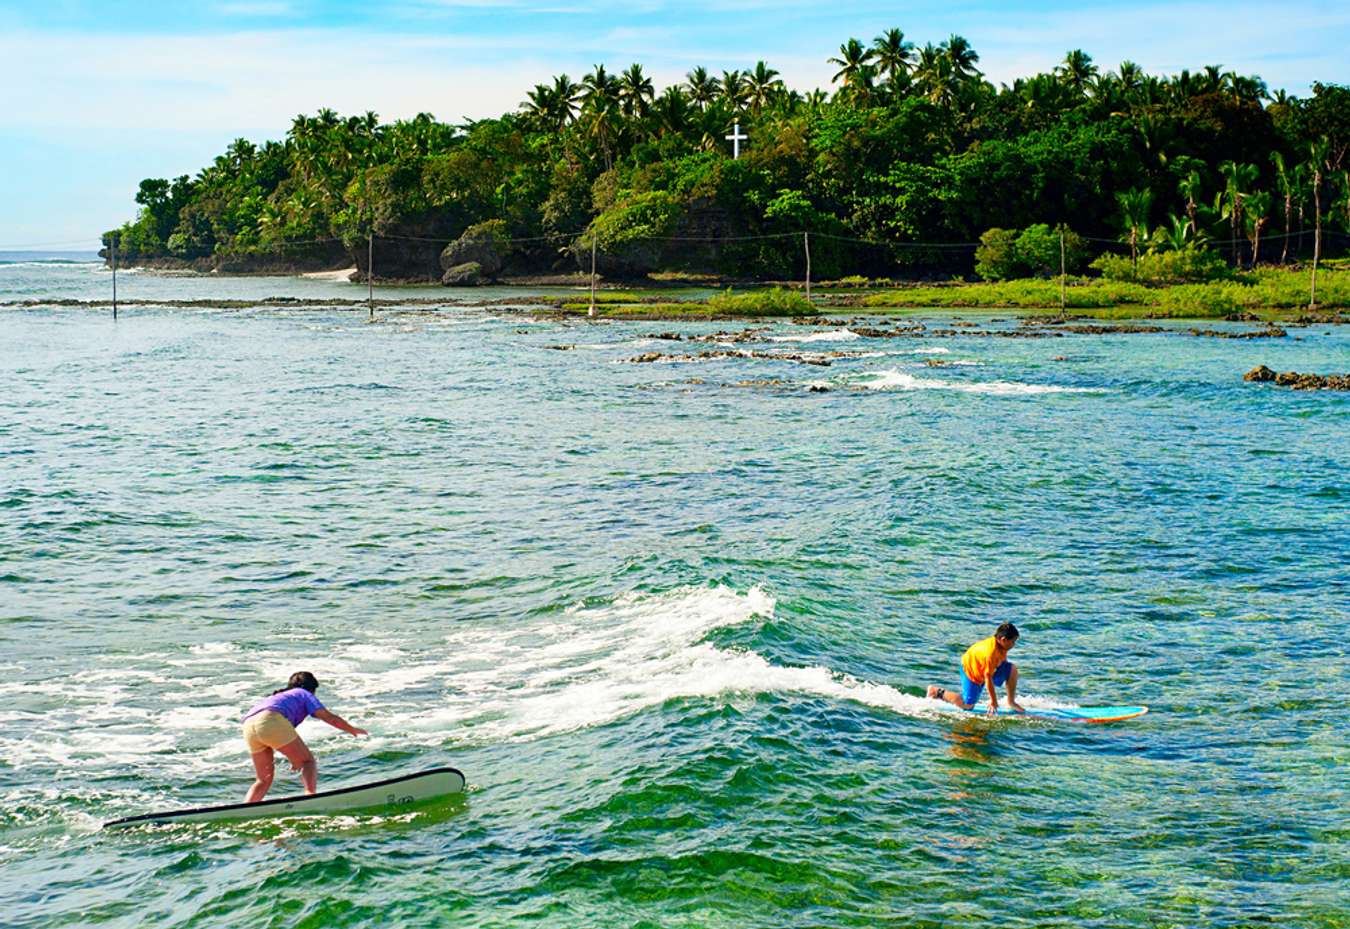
[(733, 89), (702, 87), (635, 92), (564, 100), (935, 76), (539, 102), (893, 56), (600, 93), (1131, 76), (1176, 234), (760, 85), (1343, 203), (852, 61), (1238, 180), (671, 111), (1212, 81), (1256, 213), (962, 57), (553, 106), (1077, 71), (1247, 89), (1190, 187), (1135, 206), (1318, 153), (1284, 183), (786, 102), (1044, 98), (599, 88)]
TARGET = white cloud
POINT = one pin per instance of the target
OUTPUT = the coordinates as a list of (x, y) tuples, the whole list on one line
[(253, 79)]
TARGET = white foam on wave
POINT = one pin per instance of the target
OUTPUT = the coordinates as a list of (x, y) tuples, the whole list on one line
[(214, 648), (585, 666), (594, 666), (900, 380), (832, 335)]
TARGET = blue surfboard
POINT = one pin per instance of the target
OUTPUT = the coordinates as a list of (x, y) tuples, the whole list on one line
[(1070, 714)]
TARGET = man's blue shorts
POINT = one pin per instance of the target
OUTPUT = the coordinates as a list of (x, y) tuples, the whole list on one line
[(970, 691)]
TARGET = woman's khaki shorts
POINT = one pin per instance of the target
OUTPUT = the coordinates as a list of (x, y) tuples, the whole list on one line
[(268, 730)]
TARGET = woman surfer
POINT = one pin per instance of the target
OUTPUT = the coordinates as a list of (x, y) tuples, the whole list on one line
[(270, 726)]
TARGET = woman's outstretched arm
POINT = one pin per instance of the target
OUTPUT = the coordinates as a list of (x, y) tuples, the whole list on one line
[(337, 722)]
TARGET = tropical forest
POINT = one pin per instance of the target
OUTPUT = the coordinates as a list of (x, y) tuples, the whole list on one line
[(911, 166)]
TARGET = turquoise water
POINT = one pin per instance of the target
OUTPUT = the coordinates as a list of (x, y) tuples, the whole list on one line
[(673, 630)]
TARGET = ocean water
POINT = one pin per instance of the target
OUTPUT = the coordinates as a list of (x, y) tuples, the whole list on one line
[(672, 620)]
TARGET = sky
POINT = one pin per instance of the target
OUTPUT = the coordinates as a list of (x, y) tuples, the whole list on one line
[(96, 96)]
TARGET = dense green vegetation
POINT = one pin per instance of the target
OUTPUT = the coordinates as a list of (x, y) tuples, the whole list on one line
[(910, 160)]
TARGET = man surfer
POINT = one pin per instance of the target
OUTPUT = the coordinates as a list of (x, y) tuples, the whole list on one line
[(985, 664), (270, 726)]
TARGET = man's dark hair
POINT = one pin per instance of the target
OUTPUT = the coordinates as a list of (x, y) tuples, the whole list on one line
[(1008, 631)]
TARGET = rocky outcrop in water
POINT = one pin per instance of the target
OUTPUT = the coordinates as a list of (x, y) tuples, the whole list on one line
[(1270, 332), (819, 359), (1297, 381)]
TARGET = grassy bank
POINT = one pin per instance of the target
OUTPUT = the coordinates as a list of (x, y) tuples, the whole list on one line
[(1258, 292), (1270, 293), (774, 301)]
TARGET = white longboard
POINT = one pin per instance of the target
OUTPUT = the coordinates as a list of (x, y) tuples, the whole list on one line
[(381, 795)]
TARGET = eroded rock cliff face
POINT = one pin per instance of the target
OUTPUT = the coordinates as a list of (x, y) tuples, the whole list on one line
[(704, 240), (403, 255), (327, 256), (477, 256)]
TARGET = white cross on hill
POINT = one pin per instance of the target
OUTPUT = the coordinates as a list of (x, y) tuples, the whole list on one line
[(736, 138)]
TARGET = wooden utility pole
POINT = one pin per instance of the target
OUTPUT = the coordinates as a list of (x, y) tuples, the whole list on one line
[(370, 272), (806, 242), (112, 245), (591, 311), (1062, 274)]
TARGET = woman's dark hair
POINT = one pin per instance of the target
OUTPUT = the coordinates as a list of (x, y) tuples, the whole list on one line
[(1006, 631), (302, 679)]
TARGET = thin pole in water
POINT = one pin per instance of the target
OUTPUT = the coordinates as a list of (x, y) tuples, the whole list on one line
[(370, 272), (112, 244), (591, 311), (806, 241)]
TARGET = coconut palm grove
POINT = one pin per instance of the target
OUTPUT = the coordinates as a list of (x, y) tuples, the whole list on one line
[(910, 158)]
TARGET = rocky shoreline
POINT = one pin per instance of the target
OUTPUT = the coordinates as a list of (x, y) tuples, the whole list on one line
[(1296, 381)]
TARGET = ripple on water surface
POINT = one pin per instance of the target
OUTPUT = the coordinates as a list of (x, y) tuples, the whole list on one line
[(675, 633)]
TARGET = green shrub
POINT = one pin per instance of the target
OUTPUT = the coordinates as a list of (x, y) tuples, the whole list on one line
[(774, 302), (1005, 254), (1038, 250), (1190, 265), (1218, 298), (996, 259), (629, 235)]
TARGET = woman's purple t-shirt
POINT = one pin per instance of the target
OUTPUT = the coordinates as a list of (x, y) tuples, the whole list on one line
[(295, 704)]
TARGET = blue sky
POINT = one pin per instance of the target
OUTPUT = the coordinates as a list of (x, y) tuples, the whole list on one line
[(96, 96)]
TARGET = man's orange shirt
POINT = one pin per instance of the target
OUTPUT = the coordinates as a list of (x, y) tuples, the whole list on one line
[(983, 658)]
